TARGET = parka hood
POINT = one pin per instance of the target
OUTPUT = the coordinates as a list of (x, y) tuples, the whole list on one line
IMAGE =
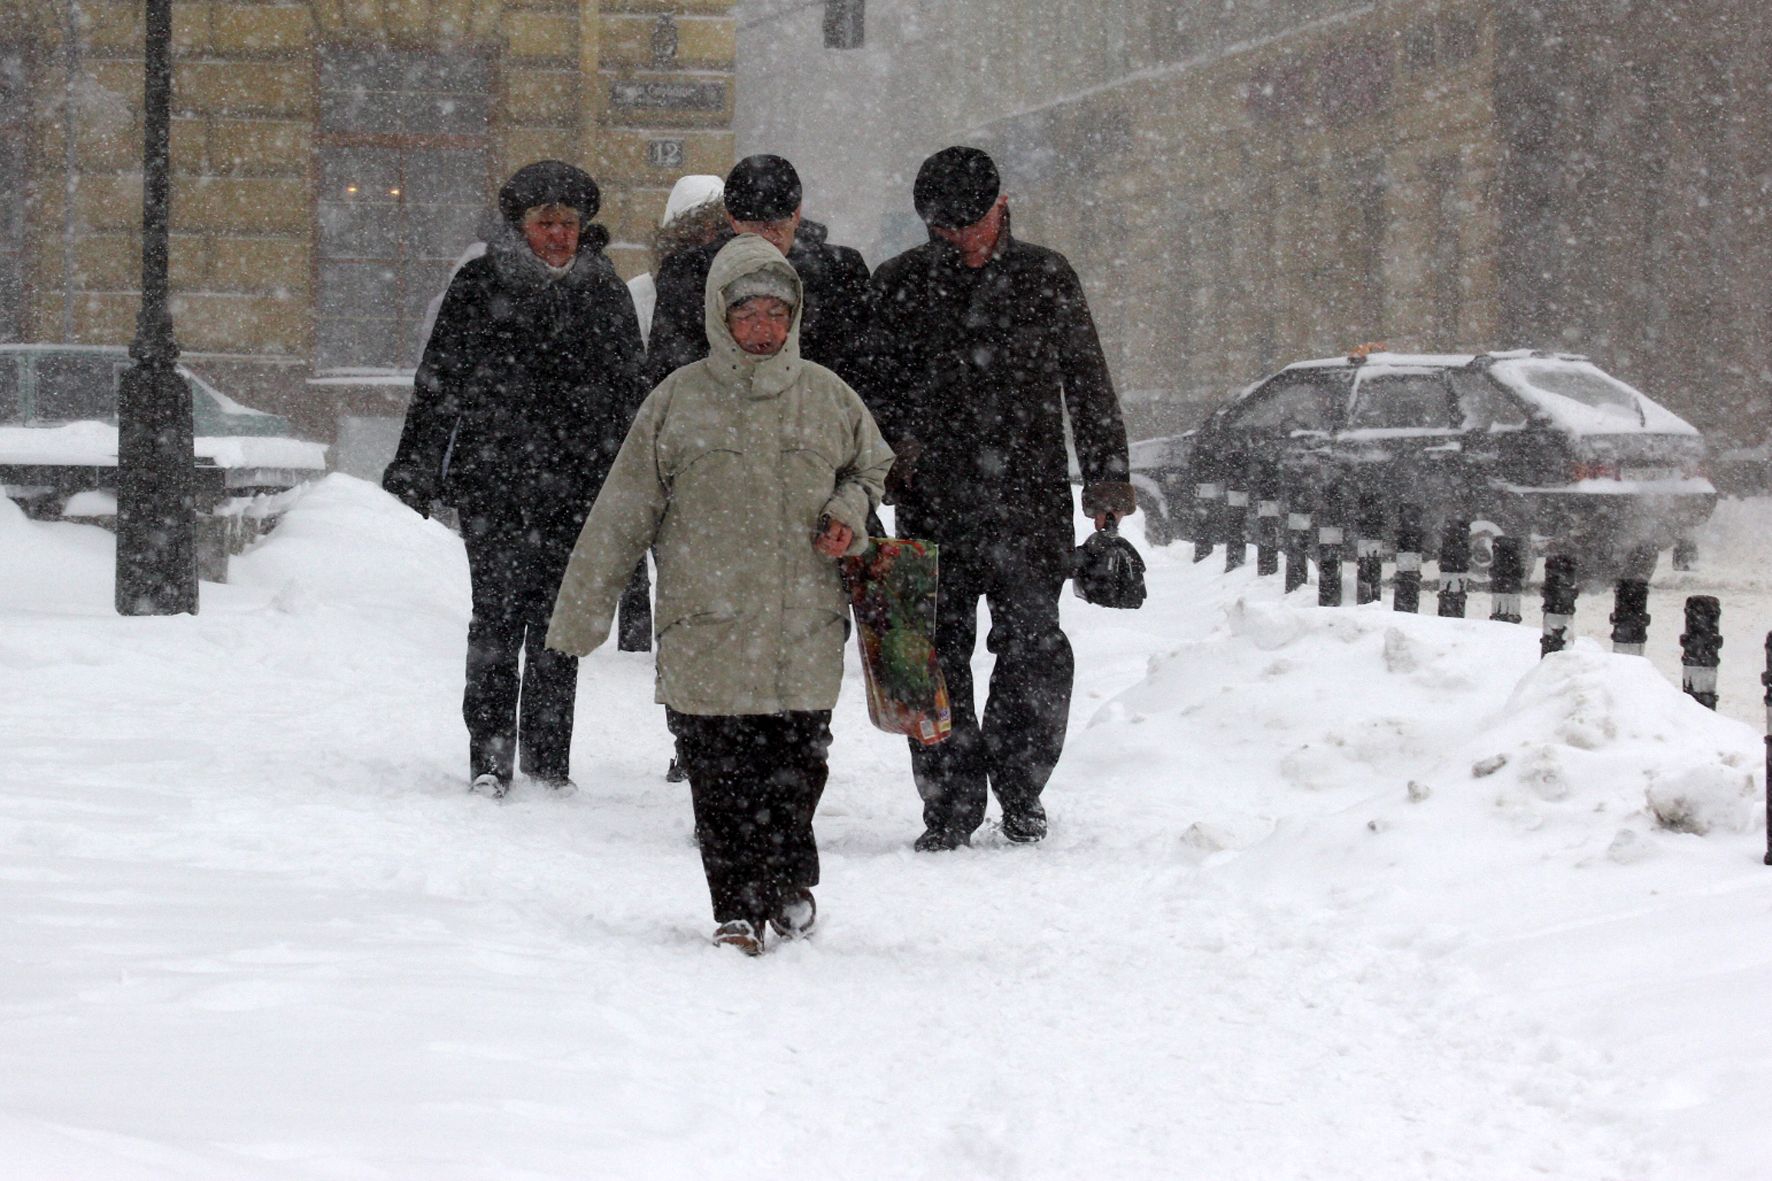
[(744, 255)]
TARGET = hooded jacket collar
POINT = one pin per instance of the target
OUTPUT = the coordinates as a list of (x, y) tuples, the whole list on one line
[(744, 255)]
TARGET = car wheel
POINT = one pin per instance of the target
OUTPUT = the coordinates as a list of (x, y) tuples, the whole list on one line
[(1602, 560), (1483, 535)]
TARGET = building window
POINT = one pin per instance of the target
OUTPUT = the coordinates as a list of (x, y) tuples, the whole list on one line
[(13, 182), (403, 160)]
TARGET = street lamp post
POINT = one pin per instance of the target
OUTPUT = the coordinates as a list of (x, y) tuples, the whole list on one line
[(156, 551)]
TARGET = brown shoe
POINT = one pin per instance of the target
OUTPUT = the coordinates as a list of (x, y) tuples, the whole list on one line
[(796, 914), (740, 934)]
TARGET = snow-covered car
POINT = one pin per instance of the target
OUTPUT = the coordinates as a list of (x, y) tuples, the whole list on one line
[(1522, 443), (58, 427)]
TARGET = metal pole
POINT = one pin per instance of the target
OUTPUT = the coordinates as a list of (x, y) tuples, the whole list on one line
[(1560, 591), (1701, 647), (1507, 580), (1406, 585), (156, 552), (1369, 548), (1267, 518), (1298, 532), (1766, 680), (1630, 617), (1455, 566), (1329, 539)]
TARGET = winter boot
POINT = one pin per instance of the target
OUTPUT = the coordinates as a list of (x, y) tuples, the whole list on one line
[(795, 914), (675, 772), (940, 840), (560, 785), (1026, 825), (489, 785), (740, 934)]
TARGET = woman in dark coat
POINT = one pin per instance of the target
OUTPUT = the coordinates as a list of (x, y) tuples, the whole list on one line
[(526, 390)]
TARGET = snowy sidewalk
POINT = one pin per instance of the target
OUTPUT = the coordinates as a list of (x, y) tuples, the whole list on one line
[(1329, 894)]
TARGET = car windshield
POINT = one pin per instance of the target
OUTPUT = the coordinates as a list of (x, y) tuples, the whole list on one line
[(1588, 386)]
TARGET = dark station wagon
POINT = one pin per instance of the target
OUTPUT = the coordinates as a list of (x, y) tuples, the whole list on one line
[(1525, 444)]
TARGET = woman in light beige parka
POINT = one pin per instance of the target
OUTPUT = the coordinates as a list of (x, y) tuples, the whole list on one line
[(747, 473)]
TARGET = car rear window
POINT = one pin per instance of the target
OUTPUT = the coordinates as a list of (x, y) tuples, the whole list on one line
[(10, 410), (70, 388), (1587, 386)]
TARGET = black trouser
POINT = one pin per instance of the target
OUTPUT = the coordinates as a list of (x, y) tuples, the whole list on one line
[(1021, 736), (515, 568), (755, 780)]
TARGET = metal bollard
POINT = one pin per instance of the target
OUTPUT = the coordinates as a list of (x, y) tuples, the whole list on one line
[(1208, 490), (1369, 549), (1701, 646), (1406, 586), (1455, 568), (1329, 540), (1267, 519), (1507, 580), (1560, 591), (1630, 617), (1766, 680), (1235, 522), (1298, 534)]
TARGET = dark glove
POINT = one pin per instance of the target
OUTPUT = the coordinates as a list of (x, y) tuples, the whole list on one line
[(1104, 496), (412, 491)]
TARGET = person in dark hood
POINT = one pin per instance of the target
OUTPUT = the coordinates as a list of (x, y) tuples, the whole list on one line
[(981, 345), (762, 195), (527, 387)]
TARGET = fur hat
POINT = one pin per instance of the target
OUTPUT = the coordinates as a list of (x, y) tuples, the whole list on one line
[(956, 187), (762, 188), (767, 281), (549, 182)]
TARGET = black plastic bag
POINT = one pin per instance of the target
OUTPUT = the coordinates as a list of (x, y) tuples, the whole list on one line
[(1108, 572)]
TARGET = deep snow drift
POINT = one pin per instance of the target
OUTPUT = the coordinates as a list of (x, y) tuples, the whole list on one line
[(1329, 894)]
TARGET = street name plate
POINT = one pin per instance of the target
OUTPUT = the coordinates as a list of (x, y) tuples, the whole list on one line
[(668, 96)]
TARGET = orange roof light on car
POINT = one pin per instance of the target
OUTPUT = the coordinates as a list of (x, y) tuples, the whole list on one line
[(1358, 354)]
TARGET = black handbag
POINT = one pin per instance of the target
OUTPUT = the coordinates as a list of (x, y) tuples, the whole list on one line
[(1109, 571)]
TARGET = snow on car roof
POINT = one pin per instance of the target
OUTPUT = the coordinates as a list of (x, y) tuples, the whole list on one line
[(1438, 360)]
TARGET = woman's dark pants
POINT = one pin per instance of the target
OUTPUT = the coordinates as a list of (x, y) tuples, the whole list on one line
[(755, 780)]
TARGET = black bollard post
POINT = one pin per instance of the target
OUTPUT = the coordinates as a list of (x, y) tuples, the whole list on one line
[(1766, 680), (1507, 580), (1298, 534), (1701, 647), (1207, 492), (1455, 568), (1630, 617), (1329, 538), (1560, 590), (1267, 519), (1369, 548), (1406, 586), (1234, 524)]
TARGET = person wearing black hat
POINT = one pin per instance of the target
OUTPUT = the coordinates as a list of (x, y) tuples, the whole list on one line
[(981, 344), (762, 196), (528, 384)]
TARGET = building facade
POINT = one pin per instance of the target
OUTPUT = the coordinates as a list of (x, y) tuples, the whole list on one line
[(1242, 186), (331, 160)]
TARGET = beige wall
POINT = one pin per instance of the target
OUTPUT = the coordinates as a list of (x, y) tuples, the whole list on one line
[(245, 123)]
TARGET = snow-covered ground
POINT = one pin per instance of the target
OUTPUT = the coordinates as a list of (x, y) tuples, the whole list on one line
[(1329, 894)]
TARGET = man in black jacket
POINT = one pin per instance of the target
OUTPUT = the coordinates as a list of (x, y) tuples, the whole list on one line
[(762, 197), (981, 344), (527, 387)]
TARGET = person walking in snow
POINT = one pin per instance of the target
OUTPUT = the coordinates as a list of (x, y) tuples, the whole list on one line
[(527, 386), (694, 215), (982, 344), (748, 474), (762, 196)]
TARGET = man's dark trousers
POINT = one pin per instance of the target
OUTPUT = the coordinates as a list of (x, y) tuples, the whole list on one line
[(1015, 746), (755, 780), (515, 567)]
